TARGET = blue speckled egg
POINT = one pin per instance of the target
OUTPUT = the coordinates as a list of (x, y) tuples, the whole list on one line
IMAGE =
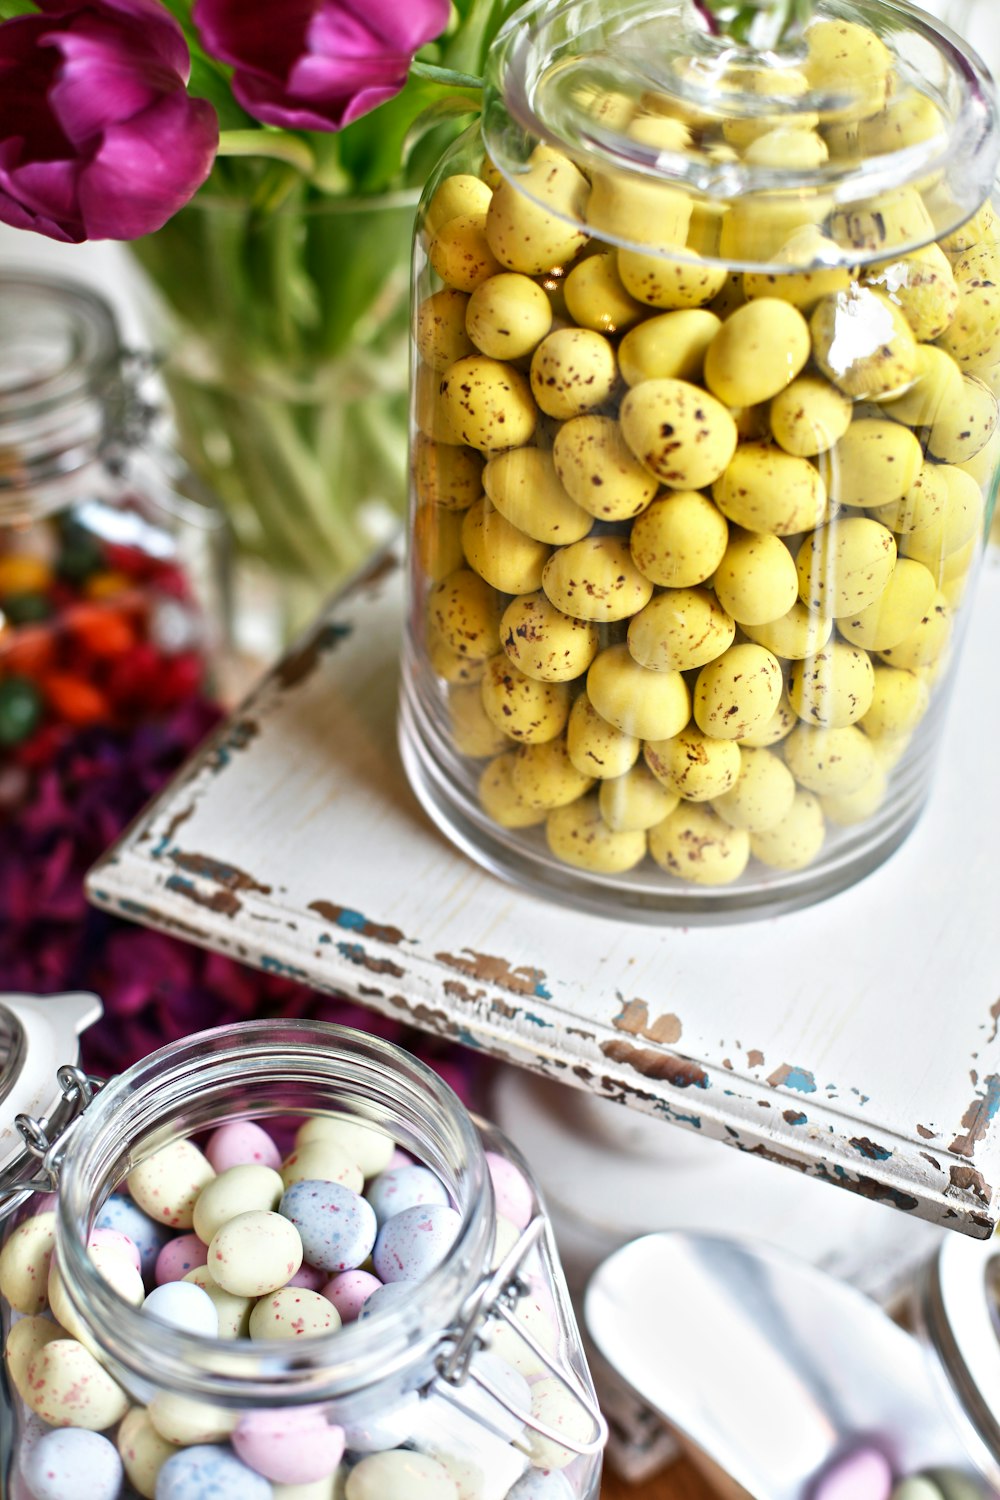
[(397, 1291), (337, 1227), (184, 1305), (146, 1235), (411, 1244), (404, 1187), (73, 1464), (542, 1484), (209, 1473)]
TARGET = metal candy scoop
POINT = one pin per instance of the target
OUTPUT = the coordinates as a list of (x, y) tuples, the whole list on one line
[(764, 1366)]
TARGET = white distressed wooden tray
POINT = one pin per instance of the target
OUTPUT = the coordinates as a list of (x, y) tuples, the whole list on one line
[(856, 1041)]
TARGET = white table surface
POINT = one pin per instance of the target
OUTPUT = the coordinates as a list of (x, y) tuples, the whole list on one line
[(856, 1040)]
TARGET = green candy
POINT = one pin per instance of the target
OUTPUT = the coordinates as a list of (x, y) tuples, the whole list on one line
[(27, 609), (20, 710)]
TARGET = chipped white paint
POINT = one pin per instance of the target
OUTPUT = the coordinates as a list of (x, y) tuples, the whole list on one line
[(856, 1040)]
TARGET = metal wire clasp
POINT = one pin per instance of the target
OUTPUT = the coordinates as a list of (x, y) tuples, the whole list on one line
[(45, 1138), (498, 1296)]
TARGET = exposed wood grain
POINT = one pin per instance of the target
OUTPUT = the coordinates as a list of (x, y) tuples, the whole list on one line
[(679, 1482)]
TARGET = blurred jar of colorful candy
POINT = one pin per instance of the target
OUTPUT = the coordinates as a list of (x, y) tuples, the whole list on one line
[(111, 562)]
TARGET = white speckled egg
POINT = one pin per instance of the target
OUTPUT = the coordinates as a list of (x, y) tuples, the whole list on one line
[(167, 1184), (71, 1464), (239, 1190), (255, 1254), (558, 1408), (400, 1475), (337, 1226), (322, 1161), (187, 1423), (293, 1312), (66, 1387), (26, 1337), (412, 1244), (143, 1451), (184, 1305), (24, 1264), (406, 1187), (366, 1144), (234, 1312)]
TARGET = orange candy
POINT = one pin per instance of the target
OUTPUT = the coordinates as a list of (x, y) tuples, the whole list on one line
[(27, 651), (75, 701), (99, 629), (23, 575), (106, 585)]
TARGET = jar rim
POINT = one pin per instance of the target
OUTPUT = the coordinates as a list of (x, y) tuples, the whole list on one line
[(143, 1103), (83, 335)]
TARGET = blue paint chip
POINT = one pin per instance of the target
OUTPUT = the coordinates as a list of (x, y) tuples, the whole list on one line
[(541, 993), (528, 1015), (275, 966), (801, 1080), (354, 921)]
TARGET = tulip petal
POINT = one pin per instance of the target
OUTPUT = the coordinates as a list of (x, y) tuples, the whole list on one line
[(101, 81), (401, 27), (254, 36), (147, 168), (147, 19)]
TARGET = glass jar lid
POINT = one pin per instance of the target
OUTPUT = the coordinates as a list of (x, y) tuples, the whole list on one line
[(41, 1089), (872, 133)]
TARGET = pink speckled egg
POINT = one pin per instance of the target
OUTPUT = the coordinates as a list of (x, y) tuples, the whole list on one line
[(864, 1474), (310, 1278), (514, 1198), (178, 1257), (117, 1241), (289, 1446), (242, 1144), (350, 1291)]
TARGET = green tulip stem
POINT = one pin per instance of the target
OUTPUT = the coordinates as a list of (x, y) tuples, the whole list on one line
[(278, 145)]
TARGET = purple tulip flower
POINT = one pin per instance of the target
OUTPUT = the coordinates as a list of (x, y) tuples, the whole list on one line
[(98, 138), (317, 64)]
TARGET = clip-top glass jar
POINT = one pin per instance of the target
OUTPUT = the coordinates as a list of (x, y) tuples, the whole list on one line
[(111, 555), (474, 1376), (705, 446)]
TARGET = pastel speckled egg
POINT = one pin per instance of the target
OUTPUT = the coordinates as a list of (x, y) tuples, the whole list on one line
[(337, 1227), (116, 1269), (242, 1144), (293, 1312), (322, 1161), (185, 1306), (234, 1312), (406, 1187), (310, 1277), (514, 1198), (322, 1489), (255, 1254), (143, 1451), (115, 1240), (366, 1144), (240, 1190), (27, 1336), (556, 1407), (200, 1473), (383, 1299), (146, 1234), (187, 1423), (167, 1184), (350, 1291), (399, 1475), (289, 1446), (73, 1465), (864, 1474), (66, 1387), (542, 1484), (24, 1264), (388, 1428), (411, 1244), (178, 1257)]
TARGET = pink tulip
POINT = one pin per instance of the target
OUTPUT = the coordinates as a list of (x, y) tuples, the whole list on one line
[(317, 64), (98, 137)]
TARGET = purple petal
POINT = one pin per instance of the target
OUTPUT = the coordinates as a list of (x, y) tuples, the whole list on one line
[(268, 102), (102, 81), (256, 36), (47, 191), (148, 19), (402, 25), (317, 80), (148, 168)]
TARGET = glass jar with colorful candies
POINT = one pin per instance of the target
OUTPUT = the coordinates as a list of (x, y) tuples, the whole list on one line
[(705, 446), (284, 1261), (109, 560)]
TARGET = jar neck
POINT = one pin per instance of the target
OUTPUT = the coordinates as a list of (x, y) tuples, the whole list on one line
[(62, 397), (255, 1070)]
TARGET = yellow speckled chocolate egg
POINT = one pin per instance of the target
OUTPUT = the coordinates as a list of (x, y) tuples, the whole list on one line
[(845, 57), (458, 195), (694, 765), (874, 463), (445, 475), (757, 352), (973, 336), (596, 579), (927, 643), (894, 218), (683, 436), (596, 747), (845, 566), (461, 255), (507, 316), (762, 795), (668, 283), (794, 842), (596, 296), (799, 633), (544, 642), (829, 761), (488, 404), (525, 488), (778, 727), (636, 801), (649, 705), (462, 609), (696, 845), (680, 539), (166, 1185), (523, 707), (899, 702), (964, 422), (833, 688), (573, 371), (600, 471), (756, 580), (925, 500), (957, 523), (923, 285), (579, 836), (765, 489), (441, 335), (858, 806), (897, 611), (679, 630), (437, 541), (670, 347), (472, 731), (544, 776), (501, 801), (937, 385), (863, 343), (809, 416), (738, 692), (810, 250), (532, 227)]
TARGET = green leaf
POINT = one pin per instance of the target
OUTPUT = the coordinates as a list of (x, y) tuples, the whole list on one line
[(372, 149), (11, 8)]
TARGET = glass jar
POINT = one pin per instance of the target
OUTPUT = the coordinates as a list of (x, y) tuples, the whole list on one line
[(705, 445), (111, 556), (420, 1375)]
